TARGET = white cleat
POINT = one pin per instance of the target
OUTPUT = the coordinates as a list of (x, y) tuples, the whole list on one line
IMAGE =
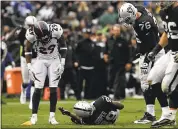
[(33, 119), (53, 121), (23, 96)]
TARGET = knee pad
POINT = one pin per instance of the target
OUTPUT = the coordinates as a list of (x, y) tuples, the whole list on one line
[(25, 85), (164, 87), (53, 90)]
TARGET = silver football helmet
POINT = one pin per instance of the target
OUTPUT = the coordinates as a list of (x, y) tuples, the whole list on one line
[(29, 21), (83, 109), (127, 14)]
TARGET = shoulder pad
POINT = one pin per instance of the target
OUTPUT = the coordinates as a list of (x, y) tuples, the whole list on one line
[(57, 30), (30, 35)]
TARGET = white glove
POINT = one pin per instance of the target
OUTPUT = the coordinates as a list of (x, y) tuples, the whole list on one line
[(31, 71), (176, 58), (60, 68)]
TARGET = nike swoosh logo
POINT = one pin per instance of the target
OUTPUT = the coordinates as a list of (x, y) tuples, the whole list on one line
[(147, 33)]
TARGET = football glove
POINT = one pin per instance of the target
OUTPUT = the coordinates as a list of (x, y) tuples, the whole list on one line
[(64, 112), (176, 58), (60, 68), (154, 52), (31, 71), (151, 56)]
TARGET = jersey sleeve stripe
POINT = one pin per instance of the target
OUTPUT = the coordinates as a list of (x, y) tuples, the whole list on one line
[(63, 48), (28, 53)]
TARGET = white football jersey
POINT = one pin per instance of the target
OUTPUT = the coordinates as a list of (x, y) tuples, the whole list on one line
[(50, 50)]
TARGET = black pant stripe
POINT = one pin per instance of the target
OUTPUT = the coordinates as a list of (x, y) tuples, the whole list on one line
[(173, 80)]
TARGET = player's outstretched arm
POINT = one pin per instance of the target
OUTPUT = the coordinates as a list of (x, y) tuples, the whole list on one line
[(118, 105), (74, 118)]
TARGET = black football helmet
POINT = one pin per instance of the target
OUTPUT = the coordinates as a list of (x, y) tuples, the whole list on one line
[(42, 32)]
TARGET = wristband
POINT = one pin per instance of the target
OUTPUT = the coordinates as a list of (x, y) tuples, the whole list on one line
[(157, 49), (28, 53)]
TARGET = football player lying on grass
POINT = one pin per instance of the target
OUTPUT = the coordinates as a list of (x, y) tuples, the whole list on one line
[(101, 111)]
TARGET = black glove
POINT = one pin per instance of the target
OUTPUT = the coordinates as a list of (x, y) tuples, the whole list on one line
[(64, 112), (154, 52), (151, 56)]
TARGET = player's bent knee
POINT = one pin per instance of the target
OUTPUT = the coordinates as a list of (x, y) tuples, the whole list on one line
[(39, 85), (164, 87)]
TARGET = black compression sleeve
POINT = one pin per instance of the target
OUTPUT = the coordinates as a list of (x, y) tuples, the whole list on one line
[(62, 47), (157, 49)]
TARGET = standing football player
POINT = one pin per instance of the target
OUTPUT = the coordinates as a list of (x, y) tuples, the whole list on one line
[(51, 53), (29, 23), (101, 111), (147, 36), (167, 71)]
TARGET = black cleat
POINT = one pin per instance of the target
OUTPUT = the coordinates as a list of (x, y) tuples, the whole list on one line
[(163, 122), (147, 118)]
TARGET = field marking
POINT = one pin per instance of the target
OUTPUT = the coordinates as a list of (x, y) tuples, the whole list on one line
[(43, 102)]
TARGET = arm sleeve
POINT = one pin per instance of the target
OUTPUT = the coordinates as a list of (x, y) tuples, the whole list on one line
[(62, 47)]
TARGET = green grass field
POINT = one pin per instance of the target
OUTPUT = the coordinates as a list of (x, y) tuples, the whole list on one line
[(14, 114)]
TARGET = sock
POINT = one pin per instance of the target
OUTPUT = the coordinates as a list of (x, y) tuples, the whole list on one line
[(36, 100), (51, 114), (162, 97), (34, 115), (165, 111), (173, 111), (150, 109), (53, 99)]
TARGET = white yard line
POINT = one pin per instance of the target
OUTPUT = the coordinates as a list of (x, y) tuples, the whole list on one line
[(43, 102)]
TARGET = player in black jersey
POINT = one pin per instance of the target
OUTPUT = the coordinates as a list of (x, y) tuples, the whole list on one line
[(29, 22), (147, 36), (101, 111), (169, 17)]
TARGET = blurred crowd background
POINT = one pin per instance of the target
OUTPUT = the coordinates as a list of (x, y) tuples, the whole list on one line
[(102, 54)]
